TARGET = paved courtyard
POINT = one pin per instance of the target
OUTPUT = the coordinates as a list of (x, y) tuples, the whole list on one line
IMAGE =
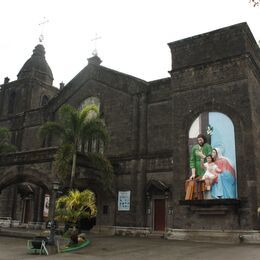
[(136, 248)]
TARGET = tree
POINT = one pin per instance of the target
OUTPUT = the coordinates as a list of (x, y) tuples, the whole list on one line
[(75, 128), (5, 146), (255, 2)]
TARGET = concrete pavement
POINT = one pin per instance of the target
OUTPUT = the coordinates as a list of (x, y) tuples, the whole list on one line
[(128, 248)]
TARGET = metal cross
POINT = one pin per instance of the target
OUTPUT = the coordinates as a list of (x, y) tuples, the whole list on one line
[(42, 24), (94, 52)]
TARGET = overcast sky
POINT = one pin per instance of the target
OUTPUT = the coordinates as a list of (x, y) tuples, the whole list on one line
[(134, 33)]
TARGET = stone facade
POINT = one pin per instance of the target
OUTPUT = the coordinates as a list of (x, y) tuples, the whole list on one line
[(148, 124)]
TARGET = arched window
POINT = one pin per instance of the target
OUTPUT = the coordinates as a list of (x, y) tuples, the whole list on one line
[(11, 102), (44, 100), (92, 145), (89, 101)]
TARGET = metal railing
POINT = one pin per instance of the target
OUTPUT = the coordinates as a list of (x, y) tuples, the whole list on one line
[(5, 222)]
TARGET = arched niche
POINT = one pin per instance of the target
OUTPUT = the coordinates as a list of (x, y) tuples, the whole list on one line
[(90, 101), (219, 131)]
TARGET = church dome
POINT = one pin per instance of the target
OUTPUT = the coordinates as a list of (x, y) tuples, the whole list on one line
[(37, 67)]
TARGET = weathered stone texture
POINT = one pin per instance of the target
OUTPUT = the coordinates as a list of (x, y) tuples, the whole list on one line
[(214, 75), (148, 123), (209, 47), (159, 121)]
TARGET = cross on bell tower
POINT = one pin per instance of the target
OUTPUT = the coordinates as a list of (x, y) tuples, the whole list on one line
[(42, 24)]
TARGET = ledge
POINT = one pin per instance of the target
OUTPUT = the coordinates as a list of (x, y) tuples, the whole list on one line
[(211, 207), (215, 236), (209, 203)]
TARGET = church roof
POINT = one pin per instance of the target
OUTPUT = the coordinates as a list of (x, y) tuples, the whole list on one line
[(37, 67)]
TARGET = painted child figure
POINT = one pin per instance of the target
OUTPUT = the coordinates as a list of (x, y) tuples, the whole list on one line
[(211, 173)]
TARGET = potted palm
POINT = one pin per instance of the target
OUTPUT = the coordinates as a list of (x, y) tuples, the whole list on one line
[(74, 206)]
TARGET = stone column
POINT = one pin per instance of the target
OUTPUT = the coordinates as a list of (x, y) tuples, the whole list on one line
[(28, 97), (135, 135), (2, 98), (140, 193), (32, 207), (143, 124), (41, 197), (141, 171), (134, 200), (14, 201), (149, 215)]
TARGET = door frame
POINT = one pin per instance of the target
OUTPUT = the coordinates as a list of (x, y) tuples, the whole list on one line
[(153, 211)]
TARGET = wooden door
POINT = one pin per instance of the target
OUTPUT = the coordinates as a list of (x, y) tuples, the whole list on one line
[(159, 215)]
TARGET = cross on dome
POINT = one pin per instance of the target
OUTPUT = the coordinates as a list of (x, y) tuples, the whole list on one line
[(42, 24)]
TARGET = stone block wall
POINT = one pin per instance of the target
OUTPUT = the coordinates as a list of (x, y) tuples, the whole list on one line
[(212, 76), (148, 123)]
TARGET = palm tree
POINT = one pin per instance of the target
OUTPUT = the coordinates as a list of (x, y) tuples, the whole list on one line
[(74, 129), (76, 205), (73, 207), (5, 146)]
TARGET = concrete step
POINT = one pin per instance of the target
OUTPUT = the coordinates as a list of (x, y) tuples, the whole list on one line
[(19, 232), (157, 234)]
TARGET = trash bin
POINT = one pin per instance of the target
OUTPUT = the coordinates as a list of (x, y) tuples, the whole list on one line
[(37, 242)]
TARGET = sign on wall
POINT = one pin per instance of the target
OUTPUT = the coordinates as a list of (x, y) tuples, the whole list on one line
[(124, 200), (46, 205)]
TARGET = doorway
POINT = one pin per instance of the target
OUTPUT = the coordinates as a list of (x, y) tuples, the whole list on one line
[(159, 214), (26, 211)]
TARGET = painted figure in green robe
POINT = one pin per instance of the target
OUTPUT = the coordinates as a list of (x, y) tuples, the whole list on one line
[(199, 152)]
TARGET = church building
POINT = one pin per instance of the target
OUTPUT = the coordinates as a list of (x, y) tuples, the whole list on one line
[(214, 78)]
